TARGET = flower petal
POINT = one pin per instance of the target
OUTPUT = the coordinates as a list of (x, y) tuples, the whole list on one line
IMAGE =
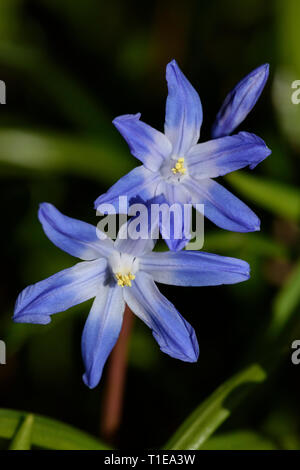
[(138, 182), (140, 233), (175, 218), (173, 333), (194, 268), (175, 229), (220, 156), (239, 102), (148, 145), (127, 243), (183, 111), (71, 235), (101, 332), (221, 206), (59, 292)]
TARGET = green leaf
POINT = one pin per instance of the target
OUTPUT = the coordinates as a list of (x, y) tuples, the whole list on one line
[(48, 433), (288, 68), (200, 425), (286, 300), (60, 153), (22, 439), (239, 440), (252, 243), (280, 199)]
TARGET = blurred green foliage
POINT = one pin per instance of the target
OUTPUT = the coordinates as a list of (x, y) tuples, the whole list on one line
[(70, 68)]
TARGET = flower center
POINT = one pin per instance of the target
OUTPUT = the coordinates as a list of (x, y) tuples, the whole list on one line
[(179, 167), (124, 279), (123, 267)]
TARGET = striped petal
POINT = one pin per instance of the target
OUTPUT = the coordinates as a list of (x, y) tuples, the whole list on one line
[(221, 156), (239, 102), (71, 235), (194, 268), (101, 332), (59, 292), (221, 206), (183, 111), (138, 183), (173, 333), (148, 145)]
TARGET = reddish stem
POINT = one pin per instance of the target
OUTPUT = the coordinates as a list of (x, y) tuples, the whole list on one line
[(114, 392)]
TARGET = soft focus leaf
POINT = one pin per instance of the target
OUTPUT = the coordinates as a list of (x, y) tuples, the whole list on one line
[(239, 440), (48, 433), (287, 299), (288, 37), (259, 244), (280, 199), (282, 426), (49, 152), (22, 439), (200, 425)]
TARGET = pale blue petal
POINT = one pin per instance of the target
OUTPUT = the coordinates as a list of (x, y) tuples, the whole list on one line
[(175, 228), (71, 235), (59, 292), (194, 268), (220, 156), (139, 182), (173, 333), (239, 102), (221, 206), (140, 233), (183, 111), (101, 332), (148, 145), (125, 242)]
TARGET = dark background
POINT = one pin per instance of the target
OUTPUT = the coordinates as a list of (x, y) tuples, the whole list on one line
[(70, 67)]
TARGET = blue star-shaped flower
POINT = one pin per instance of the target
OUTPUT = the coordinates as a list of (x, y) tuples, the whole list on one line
[(115, 273), (183, 171)]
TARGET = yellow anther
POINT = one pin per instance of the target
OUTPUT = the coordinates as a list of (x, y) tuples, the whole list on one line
[(179, 167), (124, 279)]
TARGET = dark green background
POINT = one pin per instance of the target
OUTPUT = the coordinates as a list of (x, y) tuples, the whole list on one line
[(72, 66)]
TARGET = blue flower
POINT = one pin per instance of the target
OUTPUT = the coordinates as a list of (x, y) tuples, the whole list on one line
[(182, 170), (239, 102), (115, 273)]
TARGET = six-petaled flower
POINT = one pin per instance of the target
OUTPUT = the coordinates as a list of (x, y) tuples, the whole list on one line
[(182, 170), (115, 274)]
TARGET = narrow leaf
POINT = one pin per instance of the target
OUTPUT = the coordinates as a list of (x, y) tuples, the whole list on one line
[(40, 151), (286, 300), (253, 243), (200, 425), (239, 440), (48, 433), (22, 439)]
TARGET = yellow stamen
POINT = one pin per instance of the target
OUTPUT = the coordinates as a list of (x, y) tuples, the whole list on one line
[(179, 167), (124, 279)]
